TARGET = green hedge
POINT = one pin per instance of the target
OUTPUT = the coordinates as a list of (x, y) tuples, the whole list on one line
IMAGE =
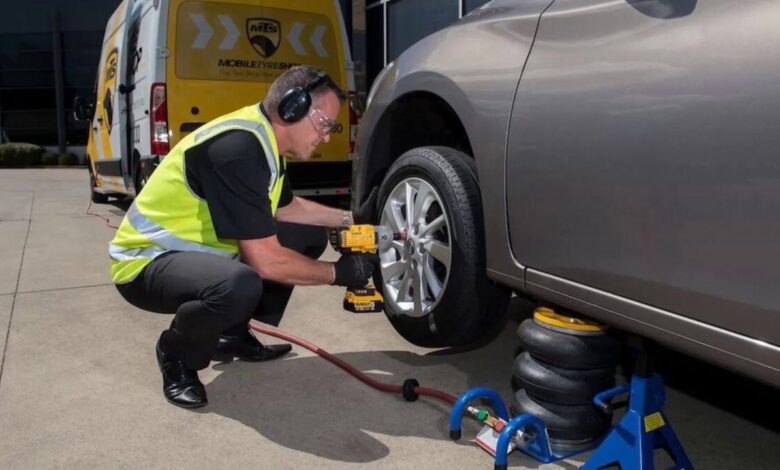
[(18, 155), (68, 159), (50, 159)]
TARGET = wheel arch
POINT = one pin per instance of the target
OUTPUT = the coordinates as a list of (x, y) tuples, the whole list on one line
[(415, 119)]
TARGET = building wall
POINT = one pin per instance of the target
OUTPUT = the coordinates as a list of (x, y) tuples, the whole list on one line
[(28, 106), (359, 44), (381, 30), (394, 25)]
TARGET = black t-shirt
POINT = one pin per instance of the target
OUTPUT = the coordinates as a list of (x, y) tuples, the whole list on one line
[(230, 171)]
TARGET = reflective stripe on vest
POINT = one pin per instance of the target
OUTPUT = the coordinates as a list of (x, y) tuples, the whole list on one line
[(168, 216), (163, 239), (118, 253)]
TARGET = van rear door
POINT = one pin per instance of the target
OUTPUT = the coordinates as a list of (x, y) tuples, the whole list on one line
[(110, 119), (225, 55)]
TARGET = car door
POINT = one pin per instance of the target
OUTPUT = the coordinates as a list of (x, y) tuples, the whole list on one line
[(642, 157)]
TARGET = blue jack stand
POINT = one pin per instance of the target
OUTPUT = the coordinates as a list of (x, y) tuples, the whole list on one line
[(630, 444), (643, 429), (534, 440)]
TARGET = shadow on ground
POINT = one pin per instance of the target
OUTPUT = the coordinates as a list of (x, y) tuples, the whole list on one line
[(309, 405), (319, 409)]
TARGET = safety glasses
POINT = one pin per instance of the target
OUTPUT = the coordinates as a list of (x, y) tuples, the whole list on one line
[(322, 124)]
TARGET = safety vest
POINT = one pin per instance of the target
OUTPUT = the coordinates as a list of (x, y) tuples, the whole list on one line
[(168, 216)]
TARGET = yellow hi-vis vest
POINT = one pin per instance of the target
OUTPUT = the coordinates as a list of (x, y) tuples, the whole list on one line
[(168, 216)]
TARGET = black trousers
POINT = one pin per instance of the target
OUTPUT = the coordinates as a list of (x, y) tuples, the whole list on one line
[(211, 295)]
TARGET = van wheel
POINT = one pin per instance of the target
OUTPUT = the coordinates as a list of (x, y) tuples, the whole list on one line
[(434, 283), (140, 180), (97, 198)]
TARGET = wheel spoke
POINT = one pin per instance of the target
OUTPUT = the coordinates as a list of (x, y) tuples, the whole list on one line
[(440, 251), (393, 270), (435, 225), (422, 203), (393, 216), (410, 215)]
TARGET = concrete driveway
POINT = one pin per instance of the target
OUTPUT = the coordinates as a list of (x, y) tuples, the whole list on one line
[(79, 386)]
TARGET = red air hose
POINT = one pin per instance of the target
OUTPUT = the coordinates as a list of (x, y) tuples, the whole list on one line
[(410, 389)]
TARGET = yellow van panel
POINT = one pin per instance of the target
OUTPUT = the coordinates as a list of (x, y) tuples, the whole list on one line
[(224, 55), (99, 142)]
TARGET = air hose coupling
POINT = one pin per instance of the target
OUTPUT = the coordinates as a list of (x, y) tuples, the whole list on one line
[(409, 389)]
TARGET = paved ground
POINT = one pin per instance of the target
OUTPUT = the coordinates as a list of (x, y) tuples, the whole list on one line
[(79, 387)]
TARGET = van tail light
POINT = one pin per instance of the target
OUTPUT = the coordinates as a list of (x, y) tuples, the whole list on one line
[(159, 120), (355, 111)]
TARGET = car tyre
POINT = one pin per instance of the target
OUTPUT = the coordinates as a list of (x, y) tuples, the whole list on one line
[(468, 303)]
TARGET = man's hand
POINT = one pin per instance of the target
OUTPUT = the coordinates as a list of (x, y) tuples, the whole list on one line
[(354, 270), (364, 213)]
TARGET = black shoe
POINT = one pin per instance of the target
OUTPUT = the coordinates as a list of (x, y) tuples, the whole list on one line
[(247, 348), (181, 385)]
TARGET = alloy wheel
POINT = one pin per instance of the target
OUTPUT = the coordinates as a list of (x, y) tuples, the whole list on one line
[(415, 270)]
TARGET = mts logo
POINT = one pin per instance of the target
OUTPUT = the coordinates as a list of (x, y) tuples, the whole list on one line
[(264, 35), (264, 28)]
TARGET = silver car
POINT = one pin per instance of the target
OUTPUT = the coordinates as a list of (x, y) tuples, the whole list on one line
[(620, 158)]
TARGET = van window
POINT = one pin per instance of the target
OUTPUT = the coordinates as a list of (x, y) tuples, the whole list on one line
[(223, 41)]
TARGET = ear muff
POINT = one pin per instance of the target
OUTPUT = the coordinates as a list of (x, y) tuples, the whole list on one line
[(295, 103)]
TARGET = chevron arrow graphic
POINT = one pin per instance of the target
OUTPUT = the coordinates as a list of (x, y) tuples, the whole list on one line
[(204, 31), (294, 36), (316, 41), (230, 40)]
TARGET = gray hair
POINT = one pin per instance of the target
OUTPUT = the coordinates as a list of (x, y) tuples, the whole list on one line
[(298, 76)]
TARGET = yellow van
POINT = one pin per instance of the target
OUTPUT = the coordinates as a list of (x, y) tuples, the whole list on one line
[(169, 66)]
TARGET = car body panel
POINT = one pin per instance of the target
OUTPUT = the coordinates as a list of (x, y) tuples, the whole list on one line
[(749, 356), (634, 181), (645, 152)]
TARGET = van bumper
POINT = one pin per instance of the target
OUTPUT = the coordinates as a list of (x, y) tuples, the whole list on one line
[(320, 178)]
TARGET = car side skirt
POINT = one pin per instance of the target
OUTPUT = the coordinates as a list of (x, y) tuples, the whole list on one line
[(748, 356)]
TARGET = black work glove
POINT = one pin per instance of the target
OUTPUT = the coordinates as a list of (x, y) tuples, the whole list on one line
[(355, 270), (364, 213)]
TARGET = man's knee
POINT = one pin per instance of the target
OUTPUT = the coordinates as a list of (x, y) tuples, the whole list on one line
[(240, 292), (247, 286)]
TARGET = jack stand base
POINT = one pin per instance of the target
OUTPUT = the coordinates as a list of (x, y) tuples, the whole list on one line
[(644, 428), (534, 441)]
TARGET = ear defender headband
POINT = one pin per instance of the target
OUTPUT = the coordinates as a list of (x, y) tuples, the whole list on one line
[(295, 103)]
